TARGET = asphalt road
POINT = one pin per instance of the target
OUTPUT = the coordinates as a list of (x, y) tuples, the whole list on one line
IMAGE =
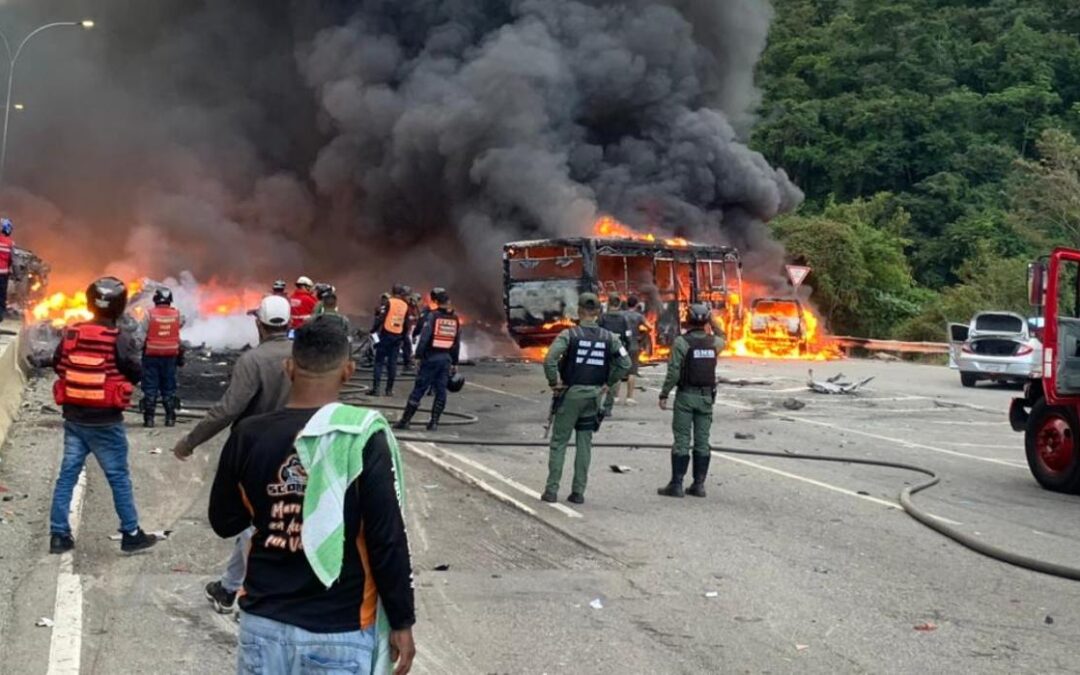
[(788, 566)]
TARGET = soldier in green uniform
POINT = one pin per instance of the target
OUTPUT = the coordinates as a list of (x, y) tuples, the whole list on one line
[(693, 369), (589, 361)]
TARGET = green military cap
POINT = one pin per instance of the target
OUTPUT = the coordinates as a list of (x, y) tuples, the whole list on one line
[(589, 301)]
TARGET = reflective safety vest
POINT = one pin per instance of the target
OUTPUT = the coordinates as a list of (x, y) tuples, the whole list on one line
[(7, 249), (587, 361), (699, 364), (89, 376), (163, 333), (444, 331), (396, 311)]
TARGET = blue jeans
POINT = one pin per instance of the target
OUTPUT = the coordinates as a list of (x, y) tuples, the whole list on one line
[(159, 377), (236, 569), (269, 647), (110, 446), (434, 374), (386, 355)]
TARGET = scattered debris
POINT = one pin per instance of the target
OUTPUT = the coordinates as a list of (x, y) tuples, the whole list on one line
[(1049, 620), (885, 356), (11, 498), (445, 567), (596, 604), (44, 622), (619, 468), (927, 627), (743, 436), (835, 384), (744, 382), (793, 404), (181, 569), (800, 648), (864, 493), (432, 486), (3, 489), (712, 594), (156, 451)]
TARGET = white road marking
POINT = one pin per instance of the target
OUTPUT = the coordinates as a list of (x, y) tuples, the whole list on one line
[(879, 437), (471, 479), (504, 393), (565, 510), (811, 481), (979, 445), (65, 645)]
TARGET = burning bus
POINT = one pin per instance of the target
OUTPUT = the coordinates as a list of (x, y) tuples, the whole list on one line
[(542, 280)]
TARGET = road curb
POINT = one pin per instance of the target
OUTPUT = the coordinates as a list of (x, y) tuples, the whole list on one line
[(12, 379)]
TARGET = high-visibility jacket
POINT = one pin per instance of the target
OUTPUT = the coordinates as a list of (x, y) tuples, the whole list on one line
[(7, 249), (89, 376), (444, 331), (397, 311), (163, 333), (302, 304)]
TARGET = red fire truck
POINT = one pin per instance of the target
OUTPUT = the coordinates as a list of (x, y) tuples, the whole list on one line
[(1049, 412)]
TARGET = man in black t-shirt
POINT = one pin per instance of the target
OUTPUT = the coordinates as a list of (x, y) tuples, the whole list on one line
[(289, 617)]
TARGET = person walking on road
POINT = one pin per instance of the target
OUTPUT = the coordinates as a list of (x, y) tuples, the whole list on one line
[(390, 329), (7, 254), (582, 366), (692, 368), (437, 351), (258, 385), (162, 355), (329, 584), (97, 365), (635, 321)]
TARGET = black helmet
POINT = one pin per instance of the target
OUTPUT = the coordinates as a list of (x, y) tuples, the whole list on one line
[(107, 298), (457, 381), (322, 289), (399, 290), (162, 296), (280, 286), (699, 314), (439, 295)]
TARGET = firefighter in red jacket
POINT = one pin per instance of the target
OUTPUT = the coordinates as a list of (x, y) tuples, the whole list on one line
[(7, 250), (302, 302), (98, 366), (162, 355)]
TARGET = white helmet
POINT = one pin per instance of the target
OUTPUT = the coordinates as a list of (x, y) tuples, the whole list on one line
[(305, 281)]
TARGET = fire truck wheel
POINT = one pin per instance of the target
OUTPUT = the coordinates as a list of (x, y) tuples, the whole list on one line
[(968, 379), (1053, 449)]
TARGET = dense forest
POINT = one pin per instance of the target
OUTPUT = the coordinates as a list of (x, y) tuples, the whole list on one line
[(936, 141)]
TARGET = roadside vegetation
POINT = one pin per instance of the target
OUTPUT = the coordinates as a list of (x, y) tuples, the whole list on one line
[(937, 145)]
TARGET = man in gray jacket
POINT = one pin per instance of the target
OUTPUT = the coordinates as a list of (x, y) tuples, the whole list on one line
[(258, 385)]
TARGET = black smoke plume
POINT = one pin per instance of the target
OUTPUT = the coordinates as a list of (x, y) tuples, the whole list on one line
[(381, 140)]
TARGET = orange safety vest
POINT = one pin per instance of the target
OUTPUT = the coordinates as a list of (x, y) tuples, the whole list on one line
[(444, 333), (7, 249), (89, 376), (394, 323), (163, 333)]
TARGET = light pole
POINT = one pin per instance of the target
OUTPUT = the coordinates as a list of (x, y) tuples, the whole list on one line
[(12, 59)]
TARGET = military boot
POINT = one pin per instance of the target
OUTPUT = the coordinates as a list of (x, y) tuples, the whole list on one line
[(148, 405), (406, 416), (374, 391), (170, 411), (679, 464), (436, 412), (701, 472)]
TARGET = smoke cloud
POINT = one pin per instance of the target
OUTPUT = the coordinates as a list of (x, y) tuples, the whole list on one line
[(372, 141)]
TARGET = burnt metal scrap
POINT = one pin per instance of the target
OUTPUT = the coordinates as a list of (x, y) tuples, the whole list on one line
[(28, 281), (835, 385)]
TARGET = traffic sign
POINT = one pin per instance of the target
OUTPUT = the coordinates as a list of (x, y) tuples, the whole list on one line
[(797, 274)]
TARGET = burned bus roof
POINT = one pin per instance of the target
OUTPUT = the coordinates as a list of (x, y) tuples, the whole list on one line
[(635, 245)]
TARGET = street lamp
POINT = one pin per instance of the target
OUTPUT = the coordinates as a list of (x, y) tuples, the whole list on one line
[(86, 24)]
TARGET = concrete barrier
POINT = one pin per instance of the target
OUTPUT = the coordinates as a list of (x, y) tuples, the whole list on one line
[(12, 377)]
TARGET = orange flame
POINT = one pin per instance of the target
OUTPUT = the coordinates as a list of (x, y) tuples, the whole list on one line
[(766, 332), (606, 226)]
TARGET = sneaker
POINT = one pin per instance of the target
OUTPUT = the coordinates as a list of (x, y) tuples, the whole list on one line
[(222, 600), (576, 498), (140, 541), (549, 496), (61, 543), (630, 401), (390, 392)]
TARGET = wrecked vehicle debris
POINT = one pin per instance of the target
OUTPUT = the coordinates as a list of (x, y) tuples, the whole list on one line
[(835, 385)]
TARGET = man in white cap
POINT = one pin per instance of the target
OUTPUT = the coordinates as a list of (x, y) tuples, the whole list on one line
[(258, 385)]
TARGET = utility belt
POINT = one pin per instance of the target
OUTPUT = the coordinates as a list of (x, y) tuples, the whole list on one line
[(699, 391)]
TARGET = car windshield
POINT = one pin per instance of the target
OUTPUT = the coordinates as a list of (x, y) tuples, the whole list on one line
[(999, 323)]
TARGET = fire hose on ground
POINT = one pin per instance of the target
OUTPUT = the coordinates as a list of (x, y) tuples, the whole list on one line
[(905, 497)]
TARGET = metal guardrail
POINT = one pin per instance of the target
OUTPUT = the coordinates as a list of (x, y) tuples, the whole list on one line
[(892, 345)]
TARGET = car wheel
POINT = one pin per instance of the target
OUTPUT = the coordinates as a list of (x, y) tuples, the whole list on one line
[(968, 379), (1053, 449)]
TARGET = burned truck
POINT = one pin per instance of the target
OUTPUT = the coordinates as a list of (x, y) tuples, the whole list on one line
[(542, 280)]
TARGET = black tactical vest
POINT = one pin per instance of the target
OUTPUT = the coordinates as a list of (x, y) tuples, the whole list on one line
[(617, 323), (699, 364), (588, 359)]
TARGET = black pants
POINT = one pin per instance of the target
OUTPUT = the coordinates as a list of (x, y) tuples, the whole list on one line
[(3, 295), (386, 356), (434, 374)]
